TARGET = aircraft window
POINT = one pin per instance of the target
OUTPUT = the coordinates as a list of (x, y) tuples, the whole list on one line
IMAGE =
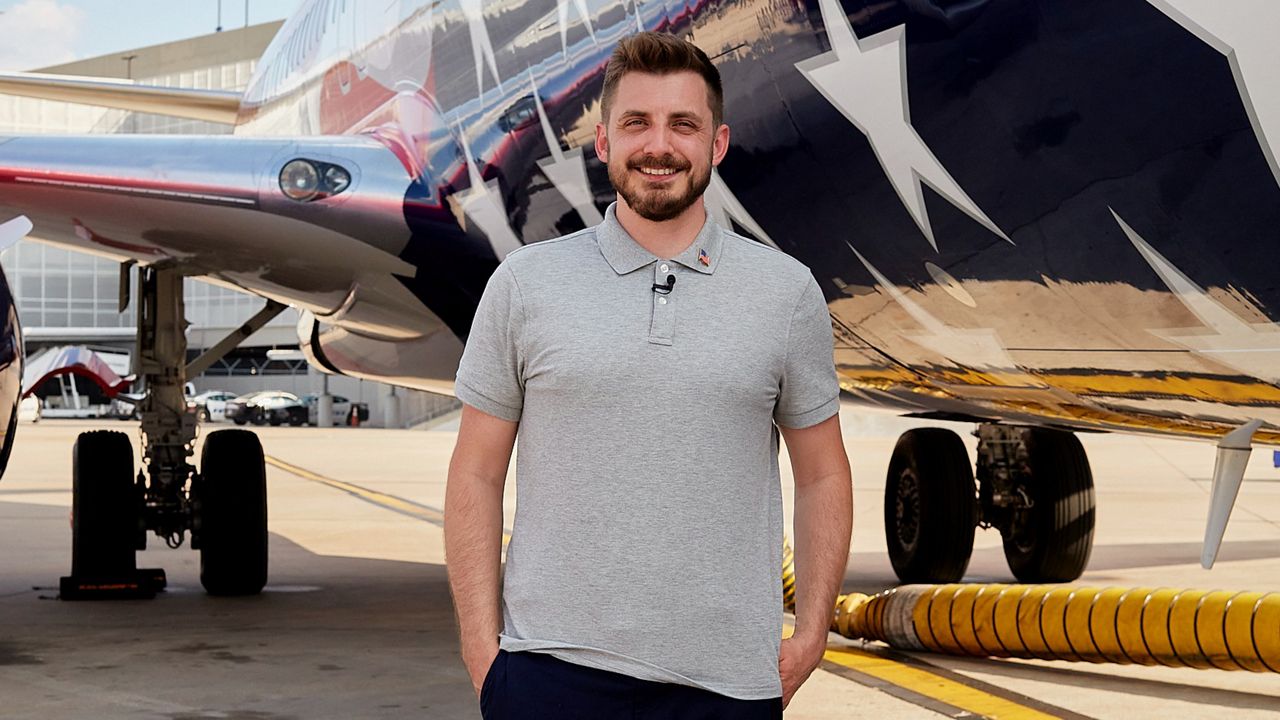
[(521, 113)]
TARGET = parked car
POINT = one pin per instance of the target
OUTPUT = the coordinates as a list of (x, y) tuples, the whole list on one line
[(211, 405), (125, 407), (342, 409), (279, 408), (241, 410)]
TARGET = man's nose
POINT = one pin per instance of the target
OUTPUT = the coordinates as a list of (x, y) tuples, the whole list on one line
[(658, 141)]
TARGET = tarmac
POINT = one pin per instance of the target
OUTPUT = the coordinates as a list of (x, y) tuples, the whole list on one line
[(357, 621)]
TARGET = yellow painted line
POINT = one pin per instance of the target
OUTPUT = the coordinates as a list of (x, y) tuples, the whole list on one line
[(381, 499), (930, 685)]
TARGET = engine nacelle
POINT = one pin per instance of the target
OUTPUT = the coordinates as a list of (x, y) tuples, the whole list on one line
[(427, 362)]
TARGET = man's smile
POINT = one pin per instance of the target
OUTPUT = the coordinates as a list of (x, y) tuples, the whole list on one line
[(657, 174)]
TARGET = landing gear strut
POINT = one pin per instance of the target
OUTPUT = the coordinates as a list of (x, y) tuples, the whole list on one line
[(224, 506), (1033, 485), (1037, 490)]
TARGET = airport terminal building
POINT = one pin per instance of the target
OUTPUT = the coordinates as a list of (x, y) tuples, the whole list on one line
[(67, 297)]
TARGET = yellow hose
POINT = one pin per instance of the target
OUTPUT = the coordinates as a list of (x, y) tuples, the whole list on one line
[(788, 576), (1178, 628)]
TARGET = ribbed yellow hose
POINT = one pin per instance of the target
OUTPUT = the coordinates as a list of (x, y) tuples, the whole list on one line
[(1178, 628), (788, 576)]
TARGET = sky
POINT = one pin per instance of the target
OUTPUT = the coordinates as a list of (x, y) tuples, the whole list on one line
[(38, 33)]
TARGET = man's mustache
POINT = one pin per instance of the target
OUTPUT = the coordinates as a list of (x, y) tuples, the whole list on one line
[(664, 162)]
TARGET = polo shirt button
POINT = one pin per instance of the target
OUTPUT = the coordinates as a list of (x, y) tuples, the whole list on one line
[(663, 268), (662, 301)]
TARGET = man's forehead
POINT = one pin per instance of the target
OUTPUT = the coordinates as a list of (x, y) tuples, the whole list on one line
[(684, 92)]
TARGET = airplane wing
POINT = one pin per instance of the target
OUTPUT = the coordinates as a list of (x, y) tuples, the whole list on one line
[(220, 106), (215, 205)]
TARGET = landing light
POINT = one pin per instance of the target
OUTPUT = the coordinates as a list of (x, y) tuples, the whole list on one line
[(337, 179), (308, 180)]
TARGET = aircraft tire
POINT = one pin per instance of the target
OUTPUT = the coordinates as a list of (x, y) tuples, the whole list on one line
[(232, 514), (105, 512), (930, 507), (1051, 541)]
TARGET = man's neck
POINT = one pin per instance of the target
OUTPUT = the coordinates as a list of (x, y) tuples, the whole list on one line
[(665, 239)]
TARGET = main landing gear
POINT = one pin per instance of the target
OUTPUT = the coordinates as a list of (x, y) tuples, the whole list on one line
[(223, 505), (1033, 485)]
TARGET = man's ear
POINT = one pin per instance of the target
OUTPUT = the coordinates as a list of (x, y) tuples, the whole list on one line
[(719, 145), (602, 143)]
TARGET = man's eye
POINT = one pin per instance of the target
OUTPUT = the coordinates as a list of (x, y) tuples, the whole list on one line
[(633, 122)]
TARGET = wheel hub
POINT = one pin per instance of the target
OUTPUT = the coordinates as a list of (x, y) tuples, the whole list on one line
[(907, 510)]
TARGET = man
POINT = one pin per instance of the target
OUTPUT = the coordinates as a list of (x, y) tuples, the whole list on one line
[(644, 363)]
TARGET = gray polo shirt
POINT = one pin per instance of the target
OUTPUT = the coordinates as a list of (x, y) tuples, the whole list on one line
[(648, 529)]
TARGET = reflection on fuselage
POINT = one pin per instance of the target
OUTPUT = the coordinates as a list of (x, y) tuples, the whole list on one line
[(1046, 309)]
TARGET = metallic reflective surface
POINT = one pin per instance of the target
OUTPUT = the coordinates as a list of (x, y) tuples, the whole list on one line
[(218, 106), (1029, 210)]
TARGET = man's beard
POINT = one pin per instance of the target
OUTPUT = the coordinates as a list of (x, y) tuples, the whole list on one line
[(657, 205)]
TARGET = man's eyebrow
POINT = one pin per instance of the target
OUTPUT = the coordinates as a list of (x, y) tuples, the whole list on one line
[(678, 115)]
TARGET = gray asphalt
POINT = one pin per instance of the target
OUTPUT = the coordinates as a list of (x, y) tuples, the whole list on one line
[(357, 622)]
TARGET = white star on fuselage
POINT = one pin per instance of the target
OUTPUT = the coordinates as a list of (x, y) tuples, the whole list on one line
[(867, 81), (481, 46), (979, 349), (1251, 348), (482, 202), (566, 170), (1244, 31), (724, 206), (562, 11)]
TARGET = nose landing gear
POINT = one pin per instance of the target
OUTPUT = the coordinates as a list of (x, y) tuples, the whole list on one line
[(224, 506)]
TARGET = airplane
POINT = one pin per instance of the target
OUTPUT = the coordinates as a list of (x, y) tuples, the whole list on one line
[(1040, 217)]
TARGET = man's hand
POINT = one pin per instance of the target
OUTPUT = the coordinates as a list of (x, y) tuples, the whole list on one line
[(473, 534), (478, 660), (798, 659)]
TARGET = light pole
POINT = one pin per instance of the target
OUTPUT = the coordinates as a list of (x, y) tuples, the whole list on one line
[(219, 28), (128, 65)]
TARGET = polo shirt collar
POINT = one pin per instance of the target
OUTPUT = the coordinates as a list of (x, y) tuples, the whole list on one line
[(625, 255)]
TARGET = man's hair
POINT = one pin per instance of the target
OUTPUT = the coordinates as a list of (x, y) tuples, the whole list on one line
[(661, 54)]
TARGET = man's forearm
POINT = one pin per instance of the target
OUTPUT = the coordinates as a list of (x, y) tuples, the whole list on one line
[(823, 525), (473, 554)]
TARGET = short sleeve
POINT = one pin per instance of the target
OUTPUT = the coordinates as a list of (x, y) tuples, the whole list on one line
[(491, 372), (808, 392)]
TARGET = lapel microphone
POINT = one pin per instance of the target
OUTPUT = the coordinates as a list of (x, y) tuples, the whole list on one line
[(664, 289)]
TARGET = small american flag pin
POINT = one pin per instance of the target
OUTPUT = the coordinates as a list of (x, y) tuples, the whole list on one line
[(704, 258)]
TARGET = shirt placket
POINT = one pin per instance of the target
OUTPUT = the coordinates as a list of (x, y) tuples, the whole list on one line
[(664, 305)]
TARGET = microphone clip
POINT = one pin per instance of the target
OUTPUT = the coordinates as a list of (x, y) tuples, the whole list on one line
[(665, 289)]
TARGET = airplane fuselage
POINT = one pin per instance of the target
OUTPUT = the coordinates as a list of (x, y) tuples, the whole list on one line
[(1030, 210)]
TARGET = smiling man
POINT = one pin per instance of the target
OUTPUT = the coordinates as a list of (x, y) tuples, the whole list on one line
[(645, 365)]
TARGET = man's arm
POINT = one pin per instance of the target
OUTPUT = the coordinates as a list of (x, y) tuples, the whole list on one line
[(473, 533), (823, 525)]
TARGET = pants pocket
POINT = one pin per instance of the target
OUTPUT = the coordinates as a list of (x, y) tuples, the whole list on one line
[(486, 687)]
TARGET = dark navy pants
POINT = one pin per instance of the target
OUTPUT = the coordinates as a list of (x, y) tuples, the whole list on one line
[(537, 686)]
